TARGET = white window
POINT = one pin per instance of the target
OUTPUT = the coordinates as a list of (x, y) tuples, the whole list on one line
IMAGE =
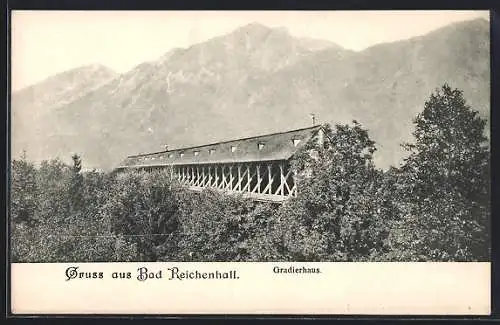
[(181, 154), (170, 155), (261, 145), (211, 151), (196, 153), (233, 148), (295, 142)]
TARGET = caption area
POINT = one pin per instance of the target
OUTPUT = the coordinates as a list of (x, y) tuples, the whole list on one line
[(175, 273), (340, 288)]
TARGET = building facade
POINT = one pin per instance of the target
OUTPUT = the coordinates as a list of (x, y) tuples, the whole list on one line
[(258, 167)]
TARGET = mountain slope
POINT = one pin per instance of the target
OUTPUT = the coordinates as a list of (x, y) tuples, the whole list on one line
[(257, 80), (385, 86), (33, 105), (175, 98)]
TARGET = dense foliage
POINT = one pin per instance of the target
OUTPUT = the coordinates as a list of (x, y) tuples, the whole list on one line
[(436, 206)]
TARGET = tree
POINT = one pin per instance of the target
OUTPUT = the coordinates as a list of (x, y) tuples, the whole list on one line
[(447, 181), (54, 178), (338, 214), (76, 188), (55, 237), (213, 227), (24, 192), (143, 207)]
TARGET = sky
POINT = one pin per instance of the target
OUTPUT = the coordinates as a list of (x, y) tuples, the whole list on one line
[(44, 43)]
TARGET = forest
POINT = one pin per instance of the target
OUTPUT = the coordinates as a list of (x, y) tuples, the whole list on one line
[(435, 206)]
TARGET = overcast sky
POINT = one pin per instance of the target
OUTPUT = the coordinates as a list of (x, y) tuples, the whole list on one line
[(48, 42)]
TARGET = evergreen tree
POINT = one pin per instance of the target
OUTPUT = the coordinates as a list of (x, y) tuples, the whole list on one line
[(76, 188)]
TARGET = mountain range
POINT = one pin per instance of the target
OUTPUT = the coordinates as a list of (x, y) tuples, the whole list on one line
[(252, 81)]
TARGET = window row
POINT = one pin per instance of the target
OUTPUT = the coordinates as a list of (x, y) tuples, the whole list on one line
[(260, 146)]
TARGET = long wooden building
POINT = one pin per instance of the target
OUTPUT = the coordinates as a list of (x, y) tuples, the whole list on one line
[(258, 167)]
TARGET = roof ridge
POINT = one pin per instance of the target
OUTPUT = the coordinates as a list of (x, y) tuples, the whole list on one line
[(227, 141)]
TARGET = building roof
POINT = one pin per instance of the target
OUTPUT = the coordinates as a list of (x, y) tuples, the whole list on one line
[(269, 147)]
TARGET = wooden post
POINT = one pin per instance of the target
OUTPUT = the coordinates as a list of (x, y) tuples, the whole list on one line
[(247, 175), (285, 182), (231, 178), (259, 180), (227, 186), (238, 185), (204, 176), (223, 181), (280, 190), (268, 188), (249, 181)]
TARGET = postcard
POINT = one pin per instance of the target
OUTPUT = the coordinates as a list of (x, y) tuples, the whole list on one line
[(250, 162)]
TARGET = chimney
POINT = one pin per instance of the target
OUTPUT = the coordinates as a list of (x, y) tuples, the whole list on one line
[(313, 118)]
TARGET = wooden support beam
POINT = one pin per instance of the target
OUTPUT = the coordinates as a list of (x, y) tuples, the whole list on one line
[(209, 181), (280, 189), (246, 174), (256, 188), (249, 180), (226, 179), (294, 190), (268, 188), (238, 184), (208, 175), (223, 181), (226, 183), (229, 185), (285, 181), (205, 174)]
